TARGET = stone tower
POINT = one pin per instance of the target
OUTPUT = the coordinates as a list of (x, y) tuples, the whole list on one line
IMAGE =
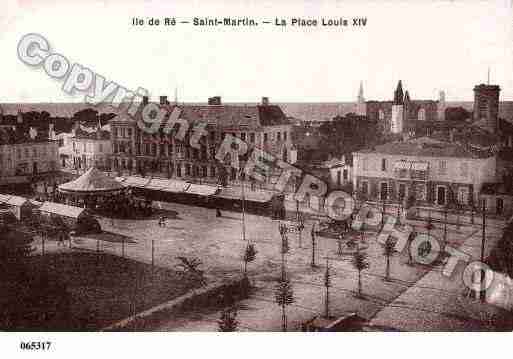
[(397, 120), (441, 106), (361, 107), (486, 105)]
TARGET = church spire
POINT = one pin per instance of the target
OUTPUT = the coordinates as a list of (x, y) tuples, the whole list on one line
[(399, 95), (406, 97), (361, 98)]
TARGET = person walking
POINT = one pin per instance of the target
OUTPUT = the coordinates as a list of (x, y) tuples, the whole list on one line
[(218, 213)]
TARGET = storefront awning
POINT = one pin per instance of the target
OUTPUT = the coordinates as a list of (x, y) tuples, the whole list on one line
[(201, 189), (419, 166), (402, 165), (167, 185)]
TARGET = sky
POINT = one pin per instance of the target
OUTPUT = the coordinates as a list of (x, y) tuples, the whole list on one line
[(431, 45)]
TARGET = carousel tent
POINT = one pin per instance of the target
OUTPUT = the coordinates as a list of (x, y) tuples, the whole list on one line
[(92, 182)]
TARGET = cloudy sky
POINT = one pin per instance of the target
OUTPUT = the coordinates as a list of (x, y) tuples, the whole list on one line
[(430, 45)]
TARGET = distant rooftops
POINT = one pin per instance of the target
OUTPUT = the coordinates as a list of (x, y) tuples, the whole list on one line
[(428, 147)]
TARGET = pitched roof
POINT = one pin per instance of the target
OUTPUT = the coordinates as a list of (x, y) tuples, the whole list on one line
[(225, 115), (61, 209), (428, 147), (93, 180)]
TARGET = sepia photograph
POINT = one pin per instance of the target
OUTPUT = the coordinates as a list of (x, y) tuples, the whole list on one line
[(254, 167)]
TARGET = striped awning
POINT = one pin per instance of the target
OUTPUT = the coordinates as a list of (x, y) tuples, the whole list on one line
[(419, 166), (402, 165)]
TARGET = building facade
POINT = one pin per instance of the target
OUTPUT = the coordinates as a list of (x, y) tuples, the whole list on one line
[(423, 170), (264, 126), (23, 157), (90, 148)]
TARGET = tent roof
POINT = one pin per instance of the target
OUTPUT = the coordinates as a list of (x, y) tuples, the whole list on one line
[(61, 209), (92, 181)]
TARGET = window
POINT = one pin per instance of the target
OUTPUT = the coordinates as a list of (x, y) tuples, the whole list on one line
[(212, 171), (100, 148), (265, 137), (383, 193), (383, 164), (115, 132), (279, 136), (463, 195), (252, 137), (365, 164), (129, 132), (169, 150), (339, 178), (464, 169), (285, 136), (212, 136), (345, 174), (365, 187), (442, 167), (243, 136)]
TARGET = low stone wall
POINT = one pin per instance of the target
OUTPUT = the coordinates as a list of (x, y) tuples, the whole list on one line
[(213, 294)]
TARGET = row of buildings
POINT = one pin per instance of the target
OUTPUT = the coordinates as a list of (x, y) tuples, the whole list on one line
[(463, 165)]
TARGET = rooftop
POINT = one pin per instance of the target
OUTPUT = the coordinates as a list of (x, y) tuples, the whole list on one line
[(226, 116), (428, 147)]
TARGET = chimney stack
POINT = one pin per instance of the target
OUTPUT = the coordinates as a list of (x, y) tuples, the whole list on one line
[(265, 101), (163, 100)]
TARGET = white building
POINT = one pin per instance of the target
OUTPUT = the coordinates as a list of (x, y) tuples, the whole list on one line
[(90, 147), (430, 171), (23, 157)]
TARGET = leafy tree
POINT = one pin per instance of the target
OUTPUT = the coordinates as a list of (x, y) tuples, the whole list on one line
[(228, 320), (284, 296), (456, 114), (388, 251), (249, 256), (360, 263), (190, 268)]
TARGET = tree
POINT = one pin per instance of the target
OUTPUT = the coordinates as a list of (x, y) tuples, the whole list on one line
[(327, 285), (360, 263), (249, 256), (189, 268), (312, 233), (284, 296), (456, 114), (388, 251), (228, 320)]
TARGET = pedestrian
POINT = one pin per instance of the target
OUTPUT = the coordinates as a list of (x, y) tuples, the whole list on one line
[(218, 213)]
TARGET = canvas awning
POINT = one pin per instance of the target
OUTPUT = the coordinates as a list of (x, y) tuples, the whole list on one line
[(402, 165), (134, 181), (254, 196), (61, 209), (201, 189), (167, 185), (419, 166)]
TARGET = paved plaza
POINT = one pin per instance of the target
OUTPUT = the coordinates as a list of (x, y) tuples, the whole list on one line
[(217, 242)]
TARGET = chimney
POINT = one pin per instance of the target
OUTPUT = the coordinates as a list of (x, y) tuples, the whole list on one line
[(214, 101), (145, 100), (163, 100), (265, 101)]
